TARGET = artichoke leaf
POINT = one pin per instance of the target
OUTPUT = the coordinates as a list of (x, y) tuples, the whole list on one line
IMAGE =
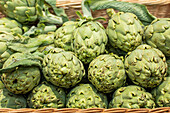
[(58, 11), (22, 59), (32, 44), (139, 10)]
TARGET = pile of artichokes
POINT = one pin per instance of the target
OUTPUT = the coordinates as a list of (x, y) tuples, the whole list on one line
[(81, 63)]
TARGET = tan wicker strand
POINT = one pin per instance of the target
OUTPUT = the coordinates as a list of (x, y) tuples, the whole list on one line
[(92, 110), (146, 2)]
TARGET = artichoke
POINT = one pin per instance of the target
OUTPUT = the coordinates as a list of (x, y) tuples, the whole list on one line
[(10, 100), (28, 11), (86, 96), (124, 31), (62, 68), (21, 10), (157, 35), (146, 66), (46, 96), (21, 73), (162, 93), (132, 97), (106, 73), (89, 40), (64, 35), (10, 25)]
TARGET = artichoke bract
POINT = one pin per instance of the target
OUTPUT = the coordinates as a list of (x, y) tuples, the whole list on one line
[(64, 35), (62, 68), (86, 96), (1, 85), (132, 97), (10, 25), (157, 35), (124, 31), (107, 73), (89, 40), (21, 73), (162, 93), (46, 95), (10, 100), (146, 66)]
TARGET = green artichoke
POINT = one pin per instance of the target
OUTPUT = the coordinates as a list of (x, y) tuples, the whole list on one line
[(86, 96), (124, 31), (10, 100), (89, 40), (64, 35), (107, 73), (146, 66), (162, 93), (21, 10), (28, 11), (132, 97), (10, 25), (21, 73), (62, 68), (46, 96), (157, 35)]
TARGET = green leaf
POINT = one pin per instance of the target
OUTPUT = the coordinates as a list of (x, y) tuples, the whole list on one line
[(86, 10), (31, 44), (139, 10), (23, 59), (58, 11), (46, 17), (40, 29)]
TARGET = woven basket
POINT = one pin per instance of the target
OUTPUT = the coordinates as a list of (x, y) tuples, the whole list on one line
[(159, 8)]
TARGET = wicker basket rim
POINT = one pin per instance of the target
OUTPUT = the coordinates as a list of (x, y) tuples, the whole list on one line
[(90, 110), (62, 3)]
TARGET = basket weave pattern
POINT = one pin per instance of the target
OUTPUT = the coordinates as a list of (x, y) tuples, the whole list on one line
[(159, 8), (92, 110)]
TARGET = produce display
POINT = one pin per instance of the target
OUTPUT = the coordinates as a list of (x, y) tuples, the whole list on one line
[(50, 61)]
